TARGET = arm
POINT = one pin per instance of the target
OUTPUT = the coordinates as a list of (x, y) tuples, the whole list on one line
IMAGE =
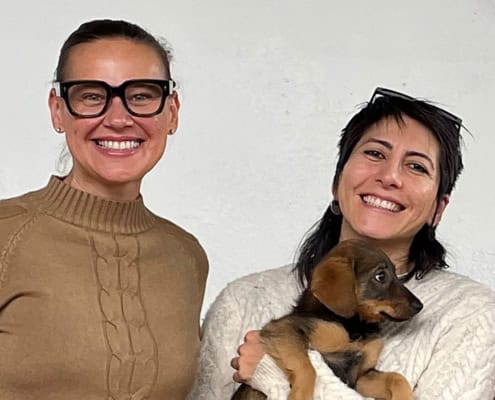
[(269, 379), (223, 329), (462, 366), (261, 372), (242, 306), (220, 337)]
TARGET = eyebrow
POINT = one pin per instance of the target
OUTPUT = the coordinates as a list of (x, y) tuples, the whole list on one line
[(409, 153)]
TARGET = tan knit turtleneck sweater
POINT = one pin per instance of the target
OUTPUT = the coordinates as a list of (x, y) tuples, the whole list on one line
[(99, 300)]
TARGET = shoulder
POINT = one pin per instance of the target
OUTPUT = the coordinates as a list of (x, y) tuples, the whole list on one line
[(172, 229), (258, 297), (454, 295), (14, 212), (18, 204), (180, 238), (451, 284), (267, 281)]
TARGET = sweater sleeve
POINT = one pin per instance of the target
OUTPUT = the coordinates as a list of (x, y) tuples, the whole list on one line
[(462, 366), (269, 379), (220, 338)]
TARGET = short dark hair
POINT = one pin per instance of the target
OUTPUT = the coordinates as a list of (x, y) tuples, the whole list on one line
[(426, 252), (108, 28)]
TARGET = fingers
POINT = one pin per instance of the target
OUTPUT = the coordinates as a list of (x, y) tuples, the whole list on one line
[(234, 363), (250, 353), (237, 377), (252, 337)]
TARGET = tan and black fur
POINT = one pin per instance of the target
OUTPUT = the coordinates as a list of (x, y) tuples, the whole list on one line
[(352, 290)]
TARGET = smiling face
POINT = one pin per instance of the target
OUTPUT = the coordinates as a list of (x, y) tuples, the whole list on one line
[(388, 188), (113, 152)]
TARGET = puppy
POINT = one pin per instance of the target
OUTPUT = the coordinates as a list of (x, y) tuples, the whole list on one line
[(352, 290)]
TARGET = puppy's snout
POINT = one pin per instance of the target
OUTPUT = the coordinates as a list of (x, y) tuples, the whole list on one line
[(416, 305)]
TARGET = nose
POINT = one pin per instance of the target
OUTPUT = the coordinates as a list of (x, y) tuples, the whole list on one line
[(390, 174), (416, 305), (116, 115)]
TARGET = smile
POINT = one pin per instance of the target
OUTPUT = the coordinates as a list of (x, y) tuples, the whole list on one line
[(118, 145), (383, 204)]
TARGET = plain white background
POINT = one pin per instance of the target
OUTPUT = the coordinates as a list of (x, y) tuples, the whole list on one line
[(266, 87)]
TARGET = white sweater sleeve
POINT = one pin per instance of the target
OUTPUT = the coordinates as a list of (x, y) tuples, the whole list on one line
[(269, 379), (224, 328), (220, 338), (462, 366)]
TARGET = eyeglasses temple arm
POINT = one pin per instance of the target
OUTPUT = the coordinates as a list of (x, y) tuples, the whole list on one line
[(56, 87)]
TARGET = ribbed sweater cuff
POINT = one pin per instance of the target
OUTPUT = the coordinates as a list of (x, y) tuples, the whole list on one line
[(269, 379)]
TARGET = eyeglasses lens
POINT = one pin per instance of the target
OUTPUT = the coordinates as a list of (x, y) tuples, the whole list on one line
[(91, 98), (143, 98), (87, 98)]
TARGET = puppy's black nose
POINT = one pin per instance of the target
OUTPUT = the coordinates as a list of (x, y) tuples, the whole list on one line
[(416, 305)]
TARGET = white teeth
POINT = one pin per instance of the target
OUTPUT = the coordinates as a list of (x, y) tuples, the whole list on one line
[(114, 145), (379, 203)]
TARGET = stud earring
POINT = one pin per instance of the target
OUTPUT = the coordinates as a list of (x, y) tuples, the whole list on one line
[(335, 208), (59, 130), (171, 132)]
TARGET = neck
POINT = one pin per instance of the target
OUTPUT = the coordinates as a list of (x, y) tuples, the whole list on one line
[(109, 191), (398, 253)]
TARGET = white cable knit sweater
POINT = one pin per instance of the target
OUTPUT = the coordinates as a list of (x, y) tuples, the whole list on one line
[(447, 352)]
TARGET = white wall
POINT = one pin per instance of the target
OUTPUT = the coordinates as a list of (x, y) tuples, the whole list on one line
[(266, 87)]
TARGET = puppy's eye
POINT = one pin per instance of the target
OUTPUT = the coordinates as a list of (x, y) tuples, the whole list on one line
[(380, 276)]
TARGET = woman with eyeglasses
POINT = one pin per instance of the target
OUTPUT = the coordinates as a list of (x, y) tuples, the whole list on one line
[(399, 159), (99, 297)]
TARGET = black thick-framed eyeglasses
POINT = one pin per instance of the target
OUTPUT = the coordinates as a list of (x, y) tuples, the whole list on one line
[(90, 98), (380, 91)]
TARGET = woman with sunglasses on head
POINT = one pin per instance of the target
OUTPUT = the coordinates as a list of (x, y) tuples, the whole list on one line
[(99, 297), (399, 159)]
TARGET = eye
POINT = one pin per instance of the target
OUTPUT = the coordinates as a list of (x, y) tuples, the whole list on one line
[(419, 168), (92, 97), (143, 93), (380, 276), (374, 154), (140, 97)]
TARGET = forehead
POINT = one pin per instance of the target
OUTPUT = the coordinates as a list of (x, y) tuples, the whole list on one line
[(114, 61), (407, 135)]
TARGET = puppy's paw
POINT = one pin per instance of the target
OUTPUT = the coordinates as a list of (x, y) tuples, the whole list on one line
[(296, 394), (399, 387)]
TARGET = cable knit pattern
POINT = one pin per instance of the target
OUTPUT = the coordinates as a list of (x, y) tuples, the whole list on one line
[(447, 352), (132, 362)]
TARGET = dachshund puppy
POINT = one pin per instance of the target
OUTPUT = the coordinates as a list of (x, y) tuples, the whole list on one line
[(352, 290)]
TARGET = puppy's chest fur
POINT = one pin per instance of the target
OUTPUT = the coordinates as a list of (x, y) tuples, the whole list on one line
[(344, 364)]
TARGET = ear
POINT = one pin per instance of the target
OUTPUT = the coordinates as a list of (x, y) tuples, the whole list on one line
[(333, 284), (441, 206), (334, 192), (173, 106), (55, 104)]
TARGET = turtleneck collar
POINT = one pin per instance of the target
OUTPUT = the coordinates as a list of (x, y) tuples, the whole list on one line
[(74, 206)]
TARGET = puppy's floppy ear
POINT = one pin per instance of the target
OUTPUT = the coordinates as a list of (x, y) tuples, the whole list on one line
[(333, 284)]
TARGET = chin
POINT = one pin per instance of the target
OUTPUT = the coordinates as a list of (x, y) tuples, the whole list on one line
[(120, 177), (376, 233)]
